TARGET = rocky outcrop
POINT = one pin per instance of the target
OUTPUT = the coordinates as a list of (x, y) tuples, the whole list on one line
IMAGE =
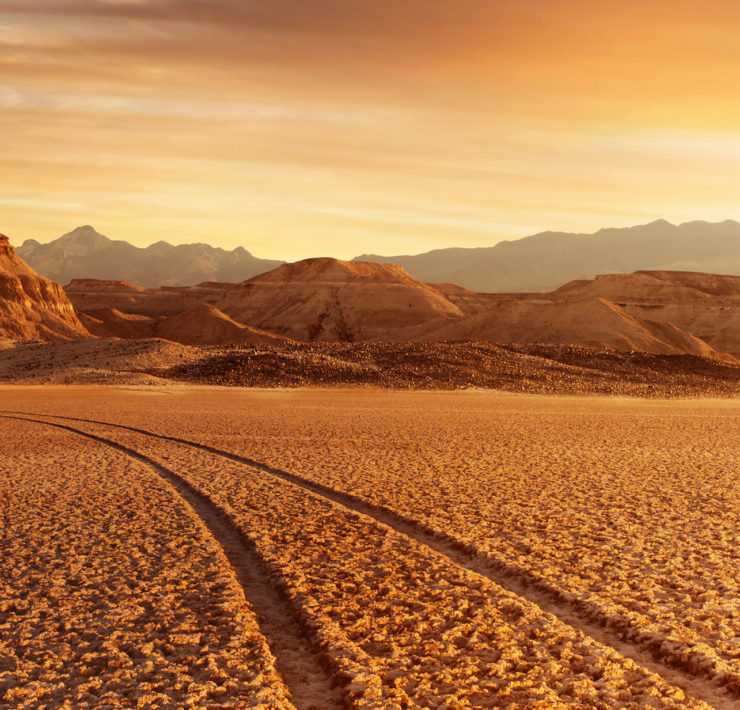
[(32, 307)]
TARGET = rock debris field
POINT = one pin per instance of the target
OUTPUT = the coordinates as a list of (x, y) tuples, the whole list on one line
[(176, 547)]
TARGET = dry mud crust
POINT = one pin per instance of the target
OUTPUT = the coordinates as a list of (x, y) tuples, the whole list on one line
[(516, 478), (628, 511), (544, 369), (112, 593), (401, 625)]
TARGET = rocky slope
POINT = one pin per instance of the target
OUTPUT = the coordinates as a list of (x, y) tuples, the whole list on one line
[(657, 312), (32, 307), (591, 322), (86, 254), (544, 369), (174, 315)]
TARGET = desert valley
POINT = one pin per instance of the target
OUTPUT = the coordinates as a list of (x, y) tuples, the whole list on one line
[(234, 497), (369, 355)]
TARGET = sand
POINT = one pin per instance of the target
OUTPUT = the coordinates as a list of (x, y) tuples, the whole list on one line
[(437, 550)]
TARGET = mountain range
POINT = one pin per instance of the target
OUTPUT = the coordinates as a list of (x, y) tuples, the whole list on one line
[(324, 299), (541, 262), (84, 253), (545, 261)]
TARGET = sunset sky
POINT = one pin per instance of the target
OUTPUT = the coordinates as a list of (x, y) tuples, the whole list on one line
[(335, 127)]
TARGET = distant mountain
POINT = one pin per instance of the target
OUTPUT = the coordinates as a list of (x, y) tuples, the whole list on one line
[(545, 261), (85, 254), (32, 307)]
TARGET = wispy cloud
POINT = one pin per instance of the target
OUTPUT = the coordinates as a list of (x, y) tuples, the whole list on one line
[(333, 120)]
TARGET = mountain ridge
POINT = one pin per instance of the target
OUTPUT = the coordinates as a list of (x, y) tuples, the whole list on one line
[(545, 261), (538, 262), (84, 253)]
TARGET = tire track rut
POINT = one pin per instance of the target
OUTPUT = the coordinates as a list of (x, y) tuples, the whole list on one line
[(512, 578), (299, 666)]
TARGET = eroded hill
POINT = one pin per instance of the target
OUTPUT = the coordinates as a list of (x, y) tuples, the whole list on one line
[(32, 307)]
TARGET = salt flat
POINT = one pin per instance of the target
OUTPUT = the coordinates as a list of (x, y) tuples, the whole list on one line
[(369, 549)]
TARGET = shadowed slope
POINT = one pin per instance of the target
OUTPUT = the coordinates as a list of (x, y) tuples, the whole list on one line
[(112, 323), (707, 305), (206, 325)]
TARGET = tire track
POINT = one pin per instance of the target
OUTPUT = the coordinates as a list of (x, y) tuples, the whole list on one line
[(577, 615), (309, 684)]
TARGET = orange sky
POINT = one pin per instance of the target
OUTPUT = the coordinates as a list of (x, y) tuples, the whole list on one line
[(310, 127)]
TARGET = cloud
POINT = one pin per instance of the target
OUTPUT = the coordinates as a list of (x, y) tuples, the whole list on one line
[(436, 115)]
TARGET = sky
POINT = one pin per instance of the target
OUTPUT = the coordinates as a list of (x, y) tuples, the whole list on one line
[(301, 128)]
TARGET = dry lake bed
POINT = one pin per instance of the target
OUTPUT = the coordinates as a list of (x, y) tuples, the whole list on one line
[(168, 547)]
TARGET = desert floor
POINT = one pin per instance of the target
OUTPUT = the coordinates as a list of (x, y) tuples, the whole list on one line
[(177, 547)]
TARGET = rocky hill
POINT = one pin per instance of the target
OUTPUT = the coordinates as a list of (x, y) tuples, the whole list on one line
[(332, 300), (658, 312), (32, 307), (706, 305), (652, 311)]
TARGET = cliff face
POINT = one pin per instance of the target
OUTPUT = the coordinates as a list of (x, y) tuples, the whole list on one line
[(32, 307)]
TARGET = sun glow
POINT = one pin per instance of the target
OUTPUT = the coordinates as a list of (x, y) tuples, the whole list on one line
[(337, 128)]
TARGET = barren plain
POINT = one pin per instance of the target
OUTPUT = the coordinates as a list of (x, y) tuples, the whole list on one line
[(178, 546)]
